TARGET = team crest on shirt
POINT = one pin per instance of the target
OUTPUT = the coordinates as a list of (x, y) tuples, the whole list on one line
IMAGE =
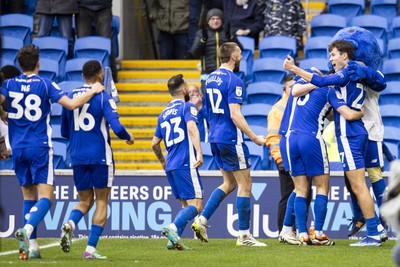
[(338, 95), (193, 111), (112, 104), (56, 85), (239, 91)]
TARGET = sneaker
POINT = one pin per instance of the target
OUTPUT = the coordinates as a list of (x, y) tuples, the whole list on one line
[(305, 241), (356, 225), (66, 237), (23, 240), (289, 238), (384, 223), (322, 241), (383, 235), (34, 254), (249, 241), (170, 246), (200, 230), (367, 242), (169, 233), (94, 255)]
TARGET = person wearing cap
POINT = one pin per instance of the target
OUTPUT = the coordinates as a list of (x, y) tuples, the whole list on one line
[(207, 42)]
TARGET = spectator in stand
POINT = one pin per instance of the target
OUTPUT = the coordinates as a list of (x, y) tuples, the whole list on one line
[(285, 17), (98, 12), (243, 18), (172, 18), (207, 42), (197, 98), (63, 11)]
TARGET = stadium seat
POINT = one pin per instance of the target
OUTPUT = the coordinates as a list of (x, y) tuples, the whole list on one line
[(6, 164), (10, 47), (382, 47), (375, 24), (393, 48), (56, 110), (317, 47), (257, 157), (391, 69), (256, 114), (247, 51), (55, 48), (396, 27), (56, 134), (209, 162), (94, 47), (384, 8), (319, 63), (258, 130), (59, 154), (5, 62), (390, 115), (394, 149), (49, 69), (264, 92), (68, 86), (327, 25), (73, 69), (268, 70), (115, 26), (391, 138), (30, 7), (277, 46), (347, 8), (242, 73), (391, 95), (18, 26)]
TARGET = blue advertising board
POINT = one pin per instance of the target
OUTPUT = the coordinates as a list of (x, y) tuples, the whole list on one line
[(141, 203)]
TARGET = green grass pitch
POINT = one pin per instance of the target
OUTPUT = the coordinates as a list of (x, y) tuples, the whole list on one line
[(218, 252)]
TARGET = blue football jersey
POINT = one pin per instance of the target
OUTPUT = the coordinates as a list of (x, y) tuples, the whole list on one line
[(87, 128), (312, 108), (288, 113), (354, 95), (171, 126), (29, 107), (223, 87)]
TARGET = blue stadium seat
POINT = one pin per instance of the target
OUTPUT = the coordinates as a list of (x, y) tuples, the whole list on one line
[(317, 47), (384, 8), (73, 69), (115, 26), (10, 47), (6, 164), (257, 157), (396, 27), (382, 47), (394, 149), (268, 70), (48, 69), (319, 63), (264, 92), (327, 25), (391, 95), (56, 134), (94, 47), (277, 46), (68, 86), (59, 154), (376, 24), (56, 110), (209, 162), (393, 48), (391, 69), (55, 48), (391, 138), (6, 61), (30, 7), (247, 51), (18, 26), (347, 8), (256, 114), (242, 73), (390, 115), (258, 130)]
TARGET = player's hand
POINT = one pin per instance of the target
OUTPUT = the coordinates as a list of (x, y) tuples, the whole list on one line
[(260, 140), (131, 140), (97, 87), (199, 161), (288, 63), (356, 71), (197, 101)]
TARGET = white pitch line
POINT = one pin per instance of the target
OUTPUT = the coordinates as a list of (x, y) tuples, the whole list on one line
[(41, 247)]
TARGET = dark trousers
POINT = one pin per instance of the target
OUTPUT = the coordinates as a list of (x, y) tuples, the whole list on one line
[(172, 46), (287, 187)]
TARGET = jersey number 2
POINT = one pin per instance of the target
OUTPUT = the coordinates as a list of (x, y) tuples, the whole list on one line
[(181, 134), (215, 105)]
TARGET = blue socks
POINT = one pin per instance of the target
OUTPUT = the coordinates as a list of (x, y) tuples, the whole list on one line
[(94, 235), (357, 213), (213, 202), (244, 211), (38, 211), (372, 227), (320, 209), (28, 204), (184, 216), (289, 214), (75, 216), (300, 209), (379, 187)]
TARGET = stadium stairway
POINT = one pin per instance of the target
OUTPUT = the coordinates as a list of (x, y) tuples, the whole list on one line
[(144, 94)]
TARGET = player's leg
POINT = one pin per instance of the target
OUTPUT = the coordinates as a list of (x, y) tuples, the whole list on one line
[(30, 199), (301, 183)]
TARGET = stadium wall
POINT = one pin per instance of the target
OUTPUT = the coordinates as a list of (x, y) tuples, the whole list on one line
[(141, 203)]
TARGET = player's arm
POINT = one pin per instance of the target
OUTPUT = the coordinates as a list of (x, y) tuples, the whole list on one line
[(78, 101), (373, 79), (241, 123), (156, 146), (121, 132), (299, 90), (195, 137), (289, 65), (350, 114)]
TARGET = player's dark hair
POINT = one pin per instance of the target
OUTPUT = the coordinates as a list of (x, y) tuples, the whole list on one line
[(9, 71), (343, 47), (174, 83), (91, 70), (28, 57), (288, 78), (226, 50)]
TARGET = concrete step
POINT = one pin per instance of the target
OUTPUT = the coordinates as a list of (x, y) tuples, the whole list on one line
[(139, 144), (140, 110), (138, 133), (138, 166), (160, 64), (157, 97), (139, 121), (158, 74), (144, 87), (137, 155)]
